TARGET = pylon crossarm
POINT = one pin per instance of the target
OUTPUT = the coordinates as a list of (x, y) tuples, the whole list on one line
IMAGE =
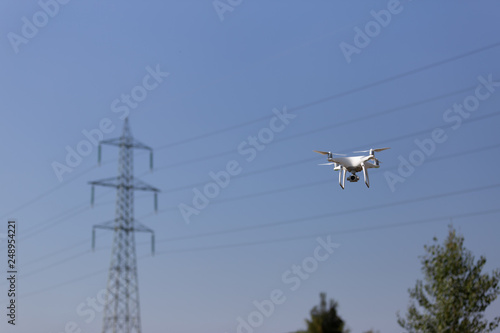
[(139, 227), (108, 182), (133, 143), (106, 225), (142, 186), (117, 181)]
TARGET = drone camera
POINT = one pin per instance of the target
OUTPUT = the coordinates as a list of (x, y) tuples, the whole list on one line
[(353, 178)]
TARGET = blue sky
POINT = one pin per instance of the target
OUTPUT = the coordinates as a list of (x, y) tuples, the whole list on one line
[(227, 78)]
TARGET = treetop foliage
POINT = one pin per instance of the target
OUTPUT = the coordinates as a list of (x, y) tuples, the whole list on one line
[(454, 294)]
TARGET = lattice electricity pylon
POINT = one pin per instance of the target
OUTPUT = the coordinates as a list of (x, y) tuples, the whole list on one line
[(122, 311)]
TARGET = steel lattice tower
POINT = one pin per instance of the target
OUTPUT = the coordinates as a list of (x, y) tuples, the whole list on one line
[(122, 311)]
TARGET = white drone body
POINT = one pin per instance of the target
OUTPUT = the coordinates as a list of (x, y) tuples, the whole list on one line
[(353, 164)]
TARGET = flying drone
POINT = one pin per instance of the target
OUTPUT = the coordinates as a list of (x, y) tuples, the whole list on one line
[(352, 164)]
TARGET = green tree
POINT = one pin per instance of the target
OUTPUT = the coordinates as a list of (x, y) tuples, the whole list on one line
[(454, 294), (324, 319)]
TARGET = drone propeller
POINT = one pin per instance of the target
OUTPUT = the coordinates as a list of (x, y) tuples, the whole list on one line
[(322, 152), (329, 153), (372, 150), (381, 149), (331, 163)]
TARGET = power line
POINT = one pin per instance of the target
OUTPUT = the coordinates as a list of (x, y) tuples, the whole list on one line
[(346, 231), (329, 127), (280, 54), (45, 267), (312, 159), (53, 223), (321, 182), (304, 160), (377, 114), (44, 194), (52, 254), (64, 217), (57, 263), (336, 95), (333, 214), (51, 190), (24, 295), (60, 218), (464, 153), (305, 219), (298, 108)]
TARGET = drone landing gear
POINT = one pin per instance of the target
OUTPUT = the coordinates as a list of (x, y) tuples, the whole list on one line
[(342, 177), (353, 178), (365, 174)]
